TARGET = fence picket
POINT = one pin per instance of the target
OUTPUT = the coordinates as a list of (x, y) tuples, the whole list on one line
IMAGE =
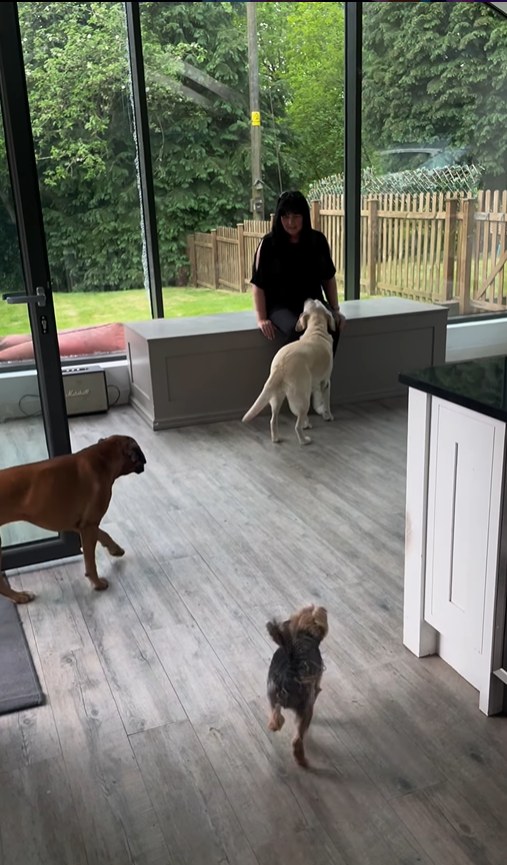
[(431, 246)]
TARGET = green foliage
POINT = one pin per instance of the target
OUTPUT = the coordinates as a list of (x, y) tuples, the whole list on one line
[(436, 73), (315, 77), (196, 70), (78, 83), (432, 72), (11, 273), (302, 51), (200, 151), (277, 135), (76, 69)]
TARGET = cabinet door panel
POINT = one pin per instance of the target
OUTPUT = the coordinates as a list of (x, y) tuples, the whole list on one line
[(464, 496)]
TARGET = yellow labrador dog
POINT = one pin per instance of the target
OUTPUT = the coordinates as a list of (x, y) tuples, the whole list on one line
[(299, 370), (70, 493)]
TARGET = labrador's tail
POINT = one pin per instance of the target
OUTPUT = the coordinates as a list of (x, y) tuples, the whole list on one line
[(260, 403)]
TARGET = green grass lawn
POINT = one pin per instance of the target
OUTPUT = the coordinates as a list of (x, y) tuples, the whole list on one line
[(84, 309)]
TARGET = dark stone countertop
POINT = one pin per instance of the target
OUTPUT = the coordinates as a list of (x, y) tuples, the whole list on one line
[(479, 385)]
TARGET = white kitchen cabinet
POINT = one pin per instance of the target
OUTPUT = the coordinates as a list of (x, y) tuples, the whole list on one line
[(463, 527), (456, 539)]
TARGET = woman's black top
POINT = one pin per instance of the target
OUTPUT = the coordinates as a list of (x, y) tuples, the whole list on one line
[(289, 273)]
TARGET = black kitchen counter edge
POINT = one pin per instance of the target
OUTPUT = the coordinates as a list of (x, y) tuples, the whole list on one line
[(479, 384)]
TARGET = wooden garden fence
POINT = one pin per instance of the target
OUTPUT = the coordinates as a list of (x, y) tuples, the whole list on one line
[(431, 247)]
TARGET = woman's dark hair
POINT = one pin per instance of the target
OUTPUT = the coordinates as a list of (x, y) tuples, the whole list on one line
[(291, 202)]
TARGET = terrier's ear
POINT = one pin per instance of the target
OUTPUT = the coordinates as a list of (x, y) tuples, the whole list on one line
[(276, 631), (320, 620)]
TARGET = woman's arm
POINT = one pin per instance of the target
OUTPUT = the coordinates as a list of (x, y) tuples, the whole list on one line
[(329, 285), (259, 298), (263, 323), (331, 292)]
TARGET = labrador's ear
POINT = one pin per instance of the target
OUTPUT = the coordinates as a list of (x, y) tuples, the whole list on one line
[(302, 322)]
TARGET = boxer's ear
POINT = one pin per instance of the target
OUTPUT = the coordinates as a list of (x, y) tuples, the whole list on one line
[(134, 453)]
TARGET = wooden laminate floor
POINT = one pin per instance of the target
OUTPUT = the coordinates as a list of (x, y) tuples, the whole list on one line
[(152, 747)]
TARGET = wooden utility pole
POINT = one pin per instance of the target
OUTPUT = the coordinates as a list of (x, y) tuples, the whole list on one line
[(257, 200)]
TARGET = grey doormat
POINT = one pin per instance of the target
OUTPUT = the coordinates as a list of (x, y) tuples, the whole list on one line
[(19, 683)]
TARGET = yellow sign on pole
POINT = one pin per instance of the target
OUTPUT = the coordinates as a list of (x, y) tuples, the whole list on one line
[(256, 118)]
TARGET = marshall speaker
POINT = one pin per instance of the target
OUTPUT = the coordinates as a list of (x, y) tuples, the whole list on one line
[(85, 390)]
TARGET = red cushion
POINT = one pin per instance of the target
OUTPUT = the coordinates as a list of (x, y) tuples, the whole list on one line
[(99, 339)]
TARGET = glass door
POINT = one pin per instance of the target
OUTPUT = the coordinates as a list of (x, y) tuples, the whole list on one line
[(32, 402)]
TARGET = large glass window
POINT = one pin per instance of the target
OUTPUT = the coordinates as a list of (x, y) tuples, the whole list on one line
[(197, 66), (77, 73), (197, 83), (434, 154)]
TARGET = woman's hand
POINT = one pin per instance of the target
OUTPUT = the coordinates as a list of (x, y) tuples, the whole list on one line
[(267, 328), (339, 319)]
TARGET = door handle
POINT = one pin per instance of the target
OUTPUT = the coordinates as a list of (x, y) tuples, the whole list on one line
[(38, 299)]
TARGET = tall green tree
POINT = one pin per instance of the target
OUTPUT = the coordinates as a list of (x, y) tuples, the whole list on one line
[(302, 53), (78, 82), (436, 73), (301, 48), (315, 76), (275, 95), (196, 69), (77, 79)]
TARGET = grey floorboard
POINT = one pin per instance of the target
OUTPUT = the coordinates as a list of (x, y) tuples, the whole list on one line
[(153, 747)]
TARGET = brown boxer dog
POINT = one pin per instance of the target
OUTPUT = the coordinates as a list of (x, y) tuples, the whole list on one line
[(70, 493)]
